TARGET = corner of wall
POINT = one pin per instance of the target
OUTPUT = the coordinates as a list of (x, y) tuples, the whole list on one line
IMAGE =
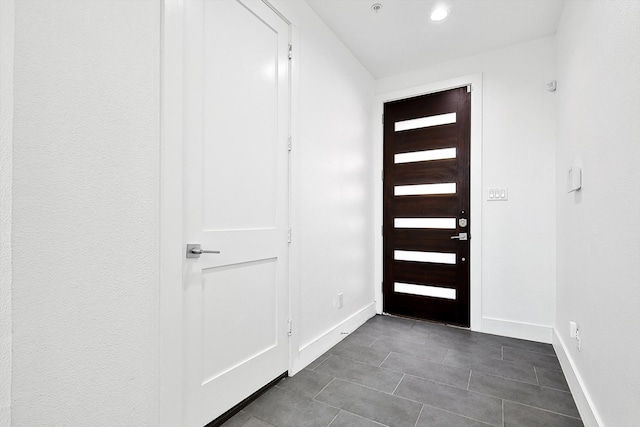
[(597, 258), (330, 214), (583, 400), (321, 344), (521, 330)]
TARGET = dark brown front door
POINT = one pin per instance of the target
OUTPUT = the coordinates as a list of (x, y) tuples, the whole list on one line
[(426, 206)]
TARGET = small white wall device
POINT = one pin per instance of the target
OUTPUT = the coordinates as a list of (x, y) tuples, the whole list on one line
[(495, 194), (574, 179)]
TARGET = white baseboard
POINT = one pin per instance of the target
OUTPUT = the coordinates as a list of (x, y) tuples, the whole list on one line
[(587, 410), (319, 345), (525, 331)]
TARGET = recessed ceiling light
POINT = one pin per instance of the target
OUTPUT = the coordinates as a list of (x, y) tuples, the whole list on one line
[(439, 14), (376, 7)]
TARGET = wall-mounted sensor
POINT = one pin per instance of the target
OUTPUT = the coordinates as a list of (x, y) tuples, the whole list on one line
[(552, 85), (574, 179)]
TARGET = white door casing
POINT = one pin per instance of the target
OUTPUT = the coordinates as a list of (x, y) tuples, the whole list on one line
[(236, 128)]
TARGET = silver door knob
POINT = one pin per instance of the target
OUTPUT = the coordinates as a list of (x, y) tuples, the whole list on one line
[(194, 250), (461, 236)]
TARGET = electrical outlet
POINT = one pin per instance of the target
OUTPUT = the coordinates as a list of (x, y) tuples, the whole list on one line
[(340, 300), (574, 332)]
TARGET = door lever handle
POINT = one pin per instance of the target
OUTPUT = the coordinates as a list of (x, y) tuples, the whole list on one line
[(194, 250), (461, 236), (202, 251)]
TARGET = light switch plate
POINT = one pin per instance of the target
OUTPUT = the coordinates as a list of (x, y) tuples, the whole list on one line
[(496, 194), (574, 179)]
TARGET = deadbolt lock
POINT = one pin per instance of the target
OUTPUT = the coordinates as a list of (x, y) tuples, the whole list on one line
[(462, 222)]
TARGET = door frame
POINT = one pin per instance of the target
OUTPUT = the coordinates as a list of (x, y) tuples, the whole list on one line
[(475, 276), (171, 234), (171, 256)]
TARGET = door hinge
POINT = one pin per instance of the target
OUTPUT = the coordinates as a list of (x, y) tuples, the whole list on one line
[(290, 144), (469, 89), (383, 118), (290, 51), (290, 327), (382, 230), (382, 174), (289, 235)]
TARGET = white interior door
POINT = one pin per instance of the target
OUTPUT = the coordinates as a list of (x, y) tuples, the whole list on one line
[(236, 202)]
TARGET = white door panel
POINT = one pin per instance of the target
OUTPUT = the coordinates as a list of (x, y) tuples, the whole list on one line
[(236, 201), (255, 284), (245, 122)]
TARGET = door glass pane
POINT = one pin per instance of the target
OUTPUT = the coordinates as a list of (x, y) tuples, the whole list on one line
[(425, 122), (447, 223), (418, 256), (425, 189), (423, 156), (427, 291)]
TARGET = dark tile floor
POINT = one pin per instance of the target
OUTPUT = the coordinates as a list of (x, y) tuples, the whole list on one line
[(398, 372)]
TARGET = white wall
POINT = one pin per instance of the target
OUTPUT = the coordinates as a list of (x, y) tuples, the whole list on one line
[(85, 213), (6, 129), (598, 232), (518, 236), (332, 244)]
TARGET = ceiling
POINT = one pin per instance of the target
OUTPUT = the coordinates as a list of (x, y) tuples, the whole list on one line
[(401, 37)]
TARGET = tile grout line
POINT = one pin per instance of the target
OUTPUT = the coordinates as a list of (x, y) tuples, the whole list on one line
[(442, 384), (474, 392), (258, 418), (323, 360), (483, 359), (455, 413), (366, 364), (314, 397), (531, 364), (521, 403), (353, 381), (385, 359), (543, 409), (334, 418), (419, 415), (514, 401), (518, 381), (398, 385), (445, 356), (480, 371), (531, 351), (556, 389), (375, 341), (363, 417), (364, 386)]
